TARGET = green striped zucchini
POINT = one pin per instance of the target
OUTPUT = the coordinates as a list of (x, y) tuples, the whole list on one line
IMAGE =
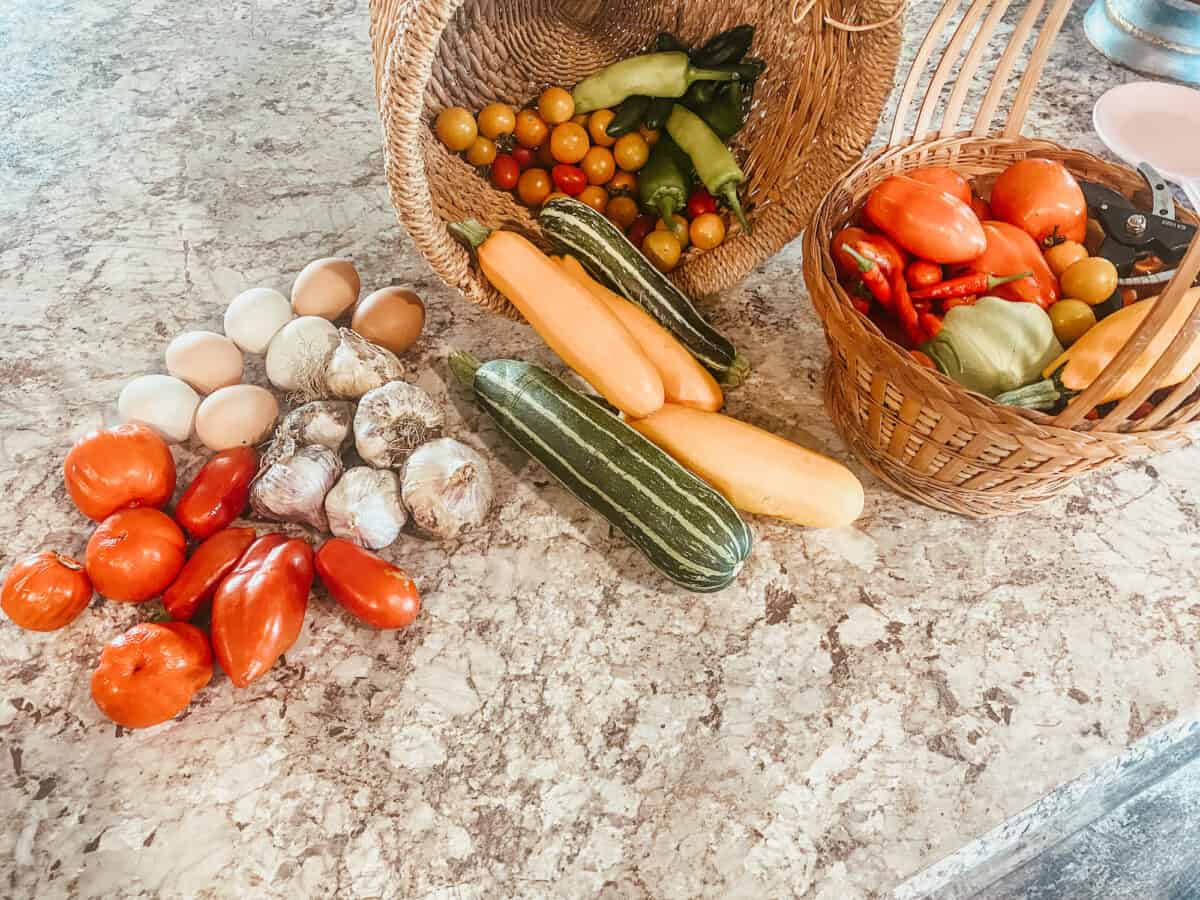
[(684, 527), (576, 228)]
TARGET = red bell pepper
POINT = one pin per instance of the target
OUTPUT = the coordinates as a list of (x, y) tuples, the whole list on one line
[(1009, 249)]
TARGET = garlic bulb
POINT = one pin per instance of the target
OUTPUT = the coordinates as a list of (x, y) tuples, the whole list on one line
[(358, 366), (324, 422), (393, 420), (293, 488), (364, 507), (447, 486)]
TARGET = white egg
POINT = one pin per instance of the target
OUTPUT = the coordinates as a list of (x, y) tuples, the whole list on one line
[(299, 352), (161, 402), (238, 416), (205, 360), (255, 316)]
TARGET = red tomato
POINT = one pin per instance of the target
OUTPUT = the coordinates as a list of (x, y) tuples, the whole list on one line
[(571, 180), (641, 227), (874, 247), (202, 574), (946, 179), (922, 273), (45, 591), (219, 492), (1011, 250), (258, 610), (524, 156), (925, 221), (505, 172), (1043, 199), (135, 554), (700, 202), (368, 586), (119, 468), (151, 672), (981, 208)]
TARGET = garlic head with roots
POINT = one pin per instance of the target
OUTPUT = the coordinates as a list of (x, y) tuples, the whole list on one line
[(392, 421), (358, 366), (324, 422), (364, 507), (447, 487), (293, 488)]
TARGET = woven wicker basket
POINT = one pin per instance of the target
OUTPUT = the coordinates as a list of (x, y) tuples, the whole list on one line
[(920, 432), (815, 108)]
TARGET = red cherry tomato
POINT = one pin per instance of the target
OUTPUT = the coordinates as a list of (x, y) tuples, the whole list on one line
[(1043, 199), (505, 172), (368, 586), (45, 591), (945, 179), (151, 672), (641, 227), (701, 202), (219, 492), (926, 221), (524, 156), (571, 180), (135, 554), (922, 273), (201, 575), (119, 468)]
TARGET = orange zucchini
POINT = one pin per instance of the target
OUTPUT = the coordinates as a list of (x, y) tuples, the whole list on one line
[(758, 472), (685, 381), (569, 318)]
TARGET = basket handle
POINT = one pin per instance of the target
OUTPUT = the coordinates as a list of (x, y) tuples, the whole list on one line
[(969, 67)]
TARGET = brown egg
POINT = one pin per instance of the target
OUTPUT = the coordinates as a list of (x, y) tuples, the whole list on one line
[(325, 288), (391, 317)]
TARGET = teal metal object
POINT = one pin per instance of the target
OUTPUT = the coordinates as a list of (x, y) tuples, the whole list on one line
[(1158, 37)]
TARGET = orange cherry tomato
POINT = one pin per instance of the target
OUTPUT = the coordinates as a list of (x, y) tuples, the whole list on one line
[(368, 587), (597, 123), (45, 591), (556, 195), (622, 210), (569, 143), (202, 574), (922, 273), (623, 183), (650, 135), (135, 554), (595, 196), (662, 249), (580, 119), (150, 673), (1043, 199), (481, 152), (531, 131), (219, 492), (456, 128), (556, 106), (497, 120), (1062, 256), (598, 165), (678, 226), (534, 187), (944, 178), (707, 231), (259, 608), (119, 468), (926, 221), (631, 151)]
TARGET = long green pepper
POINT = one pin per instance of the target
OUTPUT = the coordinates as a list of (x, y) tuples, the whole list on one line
[(667, 74), (714, 163)]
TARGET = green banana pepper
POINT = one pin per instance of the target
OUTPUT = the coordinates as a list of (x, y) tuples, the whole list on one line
[(664, 74), (995, 345), (714, 163)]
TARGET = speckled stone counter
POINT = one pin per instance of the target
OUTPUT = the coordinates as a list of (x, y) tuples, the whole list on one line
[(561, 722)]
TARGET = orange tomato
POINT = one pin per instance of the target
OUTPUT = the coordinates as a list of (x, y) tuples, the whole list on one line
[(367, 586), (623, 182), (622, 210), (120, 467), (1043, 199), (707, 231), (150, 673), (597, 123), (456, 128), (650, 135), (678, 226), (662, 249), (631, 151), (946, 179), (531, 131), (556, 106), (534, 187), (481, 152), (580, 119), (496, 120), (45, 591), (598, 165), (135, 554), (556, 195), (595, 196), (926, 221), (203, 573), (569, 143)]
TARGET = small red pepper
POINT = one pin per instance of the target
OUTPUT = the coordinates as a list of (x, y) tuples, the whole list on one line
[(948, 305), (974, 283), (923, 306), (930, 325), (861, 305), (923, 359), (872, 275), (701, 202), (873, 246), (921, 273), (904, 309)]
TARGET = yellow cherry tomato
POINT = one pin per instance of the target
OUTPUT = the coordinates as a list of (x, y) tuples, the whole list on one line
[(622, 210), (1062, 256), (598, 165), (594, 196), (556, 195), (650, 135), (662, 249), (623, 182), (597, 122), (1091, 280), (631, 151), (678, 226), (482, 152), (556, 105), (496, 120), (531, 131), (707, 231), (534, 187), (1071, 320), (569, 143), (456, 128)]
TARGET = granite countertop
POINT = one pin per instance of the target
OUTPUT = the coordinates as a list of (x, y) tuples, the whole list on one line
[(559, 722)]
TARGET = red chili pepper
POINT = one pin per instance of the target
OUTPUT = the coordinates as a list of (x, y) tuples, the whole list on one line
[(904, 309), (923, 306), (921, 273), (872, 275), (861, 305), (701, 202), (873, 246), (923, 359), (930, 325), (948, 305), (974, 283)]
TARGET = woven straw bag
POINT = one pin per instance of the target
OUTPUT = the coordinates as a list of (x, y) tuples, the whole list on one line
[(923, 434), (815, 108)]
